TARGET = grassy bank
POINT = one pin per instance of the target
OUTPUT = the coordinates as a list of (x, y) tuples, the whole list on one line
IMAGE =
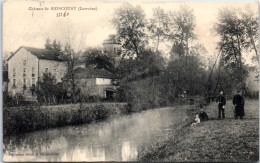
[(30, 118), (227, 140)]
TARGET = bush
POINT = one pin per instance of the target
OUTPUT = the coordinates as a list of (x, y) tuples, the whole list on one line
[(12, 100), (145, 94), (30, 118)]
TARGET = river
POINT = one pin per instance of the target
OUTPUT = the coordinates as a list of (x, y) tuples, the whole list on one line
[(116, 139)]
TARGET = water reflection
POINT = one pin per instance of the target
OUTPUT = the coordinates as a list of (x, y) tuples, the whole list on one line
[(116, 139), (129, 152)]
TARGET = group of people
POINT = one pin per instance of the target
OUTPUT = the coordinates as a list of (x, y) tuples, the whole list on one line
[(238, 102)]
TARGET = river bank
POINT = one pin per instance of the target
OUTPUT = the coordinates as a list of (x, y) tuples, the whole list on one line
[(221, 140), (117, 138), (30, 118)]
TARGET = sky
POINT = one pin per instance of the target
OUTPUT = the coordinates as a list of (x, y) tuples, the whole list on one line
[(23, 26)]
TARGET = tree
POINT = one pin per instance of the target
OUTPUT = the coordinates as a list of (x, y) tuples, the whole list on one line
[(182, 24), (54, 46), (45, 88), (232, 34), (71, 59), (158, 26), (5, 56), (94, 58), (48, 44), (190, 78), (130, 25), (250, 25)]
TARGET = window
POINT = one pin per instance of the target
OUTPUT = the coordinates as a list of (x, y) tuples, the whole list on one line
[(24, 62), (14, 72), (33, 72), (24, 71), (33, 81), (24, 83), (46, 70), (14, 84)]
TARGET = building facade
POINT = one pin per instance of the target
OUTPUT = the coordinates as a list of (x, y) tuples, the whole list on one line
[(95, 82), (26, 66), (112, 48)]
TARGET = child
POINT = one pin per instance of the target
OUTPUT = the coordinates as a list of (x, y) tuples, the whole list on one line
[(197, 120)]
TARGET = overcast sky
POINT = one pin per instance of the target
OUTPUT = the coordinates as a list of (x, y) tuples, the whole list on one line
[(88, 28)]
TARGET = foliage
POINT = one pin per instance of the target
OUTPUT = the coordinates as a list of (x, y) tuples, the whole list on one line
[(190, 78), (71, 59), (29, 118), (148, 64), (11, 101), (158, 26), (45, 88), (249, 22), (94, 58), (182, 24), (130, 24), (54, 46), (233, 32)]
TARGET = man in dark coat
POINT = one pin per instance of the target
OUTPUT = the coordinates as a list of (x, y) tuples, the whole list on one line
[(221, 100), (239, 103)]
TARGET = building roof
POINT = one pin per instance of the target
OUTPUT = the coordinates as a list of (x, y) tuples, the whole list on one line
[(92, 73), (39, 53)]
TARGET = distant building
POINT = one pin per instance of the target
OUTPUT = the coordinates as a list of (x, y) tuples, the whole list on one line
[(95, 82), (26, 66), (112, 48)]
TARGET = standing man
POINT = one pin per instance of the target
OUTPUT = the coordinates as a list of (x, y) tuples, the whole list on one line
[(221, 105), (239, 103)]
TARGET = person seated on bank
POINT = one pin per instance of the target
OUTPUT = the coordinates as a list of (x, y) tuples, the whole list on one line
[(197, 120), (203, 116)]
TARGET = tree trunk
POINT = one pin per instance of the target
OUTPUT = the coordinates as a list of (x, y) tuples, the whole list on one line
[(254, 47), (54, 101), (158, 42)]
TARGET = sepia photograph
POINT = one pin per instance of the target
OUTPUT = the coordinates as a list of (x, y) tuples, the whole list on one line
[(139, 81)]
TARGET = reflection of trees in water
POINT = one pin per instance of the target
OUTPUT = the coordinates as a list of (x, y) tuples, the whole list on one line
[(114, 139), (36, 142)]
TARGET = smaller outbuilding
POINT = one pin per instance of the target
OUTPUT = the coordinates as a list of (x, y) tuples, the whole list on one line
[(95, 82)]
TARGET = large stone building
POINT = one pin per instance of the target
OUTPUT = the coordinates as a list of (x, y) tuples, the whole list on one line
[(26, 66), (112, 48)]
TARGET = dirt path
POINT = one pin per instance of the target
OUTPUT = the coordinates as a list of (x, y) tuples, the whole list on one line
[(226, 139)]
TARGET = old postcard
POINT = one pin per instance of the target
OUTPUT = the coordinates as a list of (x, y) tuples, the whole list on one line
[(130, 81)]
